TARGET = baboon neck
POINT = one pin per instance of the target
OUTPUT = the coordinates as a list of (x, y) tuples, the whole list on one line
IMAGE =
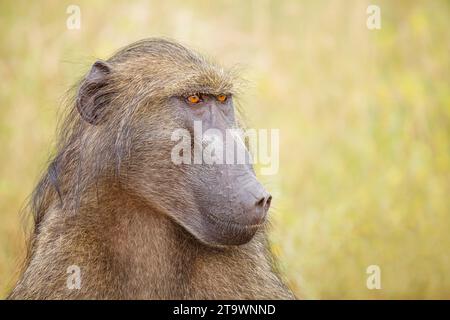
[(161, 259)]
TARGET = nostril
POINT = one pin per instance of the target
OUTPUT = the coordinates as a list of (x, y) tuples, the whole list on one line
[(261, 202), (264, 202), (268, 202)]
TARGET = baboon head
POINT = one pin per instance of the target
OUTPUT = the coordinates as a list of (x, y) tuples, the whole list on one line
[(129, 108)]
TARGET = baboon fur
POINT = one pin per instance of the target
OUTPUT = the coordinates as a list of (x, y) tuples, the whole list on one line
[(94, 210)]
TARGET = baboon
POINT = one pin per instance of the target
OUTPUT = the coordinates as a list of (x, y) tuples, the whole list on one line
[(137, 225)]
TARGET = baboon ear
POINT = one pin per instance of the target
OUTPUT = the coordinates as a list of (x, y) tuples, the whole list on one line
[(94, 94)]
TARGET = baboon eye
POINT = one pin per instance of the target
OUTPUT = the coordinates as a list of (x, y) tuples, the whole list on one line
[(222, 97), (195, 98)]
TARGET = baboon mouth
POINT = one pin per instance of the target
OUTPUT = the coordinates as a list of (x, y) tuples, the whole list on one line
[(225, 232), (232, 224)]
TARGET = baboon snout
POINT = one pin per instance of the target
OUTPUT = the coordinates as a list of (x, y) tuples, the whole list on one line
[(259, 212), (256, 203)]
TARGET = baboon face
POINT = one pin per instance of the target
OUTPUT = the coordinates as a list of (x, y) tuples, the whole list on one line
[(152, 90)]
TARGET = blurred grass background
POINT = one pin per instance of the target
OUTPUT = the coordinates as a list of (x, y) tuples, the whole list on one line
[(364, 119)]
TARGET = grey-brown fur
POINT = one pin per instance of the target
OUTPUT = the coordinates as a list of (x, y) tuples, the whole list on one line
[(95, 209)]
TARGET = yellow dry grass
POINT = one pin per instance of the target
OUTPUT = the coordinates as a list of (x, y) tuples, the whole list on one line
[(364, 119)]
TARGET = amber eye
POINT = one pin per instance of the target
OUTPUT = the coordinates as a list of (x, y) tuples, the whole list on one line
[(222, 97), (194, 98)]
